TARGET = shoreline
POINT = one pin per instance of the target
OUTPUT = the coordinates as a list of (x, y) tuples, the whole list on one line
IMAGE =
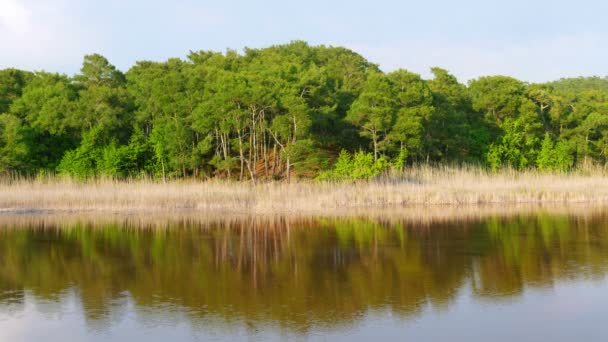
[(338, 211), (418, 190), (442, 190), (417, 215)]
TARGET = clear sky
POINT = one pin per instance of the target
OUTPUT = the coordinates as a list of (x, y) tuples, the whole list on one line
[(533, 40)]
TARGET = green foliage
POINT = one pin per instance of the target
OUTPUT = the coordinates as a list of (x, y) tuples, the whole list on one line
[(373, 111), (580, 84), (82, 162), (498, 97), (97, 71), (307, 159), (77, 163), (343, 167), (517, 147), (359, 166), (454, 130), (94, 157), (14, 144), (413, 111), (284, 110), (555, 156), (12, 82), (117, 161), (399, 161)]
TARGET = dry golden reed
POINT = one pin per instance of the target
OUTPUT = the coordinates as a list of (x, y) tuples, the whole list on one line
[(420, 186)]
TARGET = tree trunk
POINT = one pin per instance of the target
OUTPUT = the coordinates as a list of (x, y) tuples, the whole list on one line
[(288, 165), (253, 142), (226, 152), (251, 173), (274, 160), (375, 140), (241, 155), (265, 152)]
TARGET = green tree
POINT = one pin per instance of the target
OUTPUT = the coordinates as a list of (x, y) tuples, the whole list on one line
[(373, 111), (14, 145), (414, 108), (275, 112), (498, 97), (97, 71), (48, 106), (12, 82), (554, 157), (454, 131)]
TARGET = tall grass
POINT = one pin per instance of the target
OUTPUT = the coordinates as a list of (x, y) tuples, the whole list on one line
[(418, 186)]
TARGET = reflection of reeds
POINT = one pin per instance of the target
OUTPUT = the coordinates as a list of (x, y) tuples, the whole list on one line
[(418, 186), (415, 215)]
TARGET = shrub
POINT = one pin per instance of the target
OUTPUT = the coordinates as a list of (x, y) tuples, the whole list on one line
[(360, 165), (555, 156)]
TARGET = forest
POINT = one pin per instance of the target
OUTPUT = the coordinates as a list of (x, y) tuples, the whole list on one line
[(291, 110)]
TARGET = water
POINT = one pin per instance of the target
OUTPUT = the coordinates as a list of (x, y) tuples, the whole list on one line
[(525, 278)]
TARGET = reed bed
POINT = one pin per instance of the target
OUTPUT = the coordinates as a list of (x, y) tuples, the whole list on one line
[(421, 186)]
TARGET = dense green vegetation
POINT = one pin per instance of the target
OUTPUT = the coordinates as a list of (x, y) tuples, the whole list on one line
[(288, 109)]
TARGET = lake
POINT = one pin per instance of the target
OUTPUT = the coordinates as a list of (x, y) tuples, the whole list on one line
[(528, 277)]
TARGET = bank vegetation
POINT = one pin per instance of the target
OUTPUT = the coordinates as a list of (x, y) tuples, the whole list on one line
[(452, 187)]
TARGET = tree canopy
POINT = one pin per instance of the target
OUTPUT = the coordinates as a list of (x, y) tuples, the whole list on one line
[(288, 110)]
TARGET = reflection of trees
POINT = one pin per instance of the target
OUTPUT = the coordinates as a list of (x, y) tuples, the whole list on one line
[(538, 251), (296, 273)]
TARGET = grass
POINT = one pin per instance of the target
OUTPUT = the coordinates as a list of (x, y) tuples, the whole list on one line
[(447, 187)]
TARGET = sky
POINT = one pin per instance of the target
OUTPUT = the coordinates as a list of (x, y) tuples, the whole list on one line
[(532, 40)]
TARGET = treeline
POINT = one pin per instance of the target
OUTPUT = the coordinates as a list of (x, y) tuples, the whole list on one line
[(288, 110)]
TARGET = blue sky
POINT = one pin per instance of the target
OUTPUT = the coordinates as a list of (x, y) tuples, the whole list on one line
[(531, 40)]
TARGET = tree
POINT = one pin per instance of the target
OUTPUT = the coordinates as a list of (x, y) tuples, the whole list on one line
[(414, 108), (554, 156), (360, 166), (97, 71), (48, 107), (520, 141), (284, 111), (454, 131), (498, 97), (373, 111), (14, 145), (12, 82)]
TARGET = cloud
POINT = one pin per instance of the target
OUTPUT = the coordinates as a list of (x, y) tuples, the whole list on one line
[(55, 35), (14, 17), (37, 33), (532, 61)]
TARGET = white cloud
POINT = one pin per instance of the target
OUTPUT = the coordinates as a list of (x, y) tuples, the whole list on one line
[(14, 17), (55, 35), (34, 32)]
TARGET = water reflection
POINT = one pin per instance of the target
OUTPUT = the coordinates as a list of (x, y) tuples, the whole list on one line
[(286, 276)]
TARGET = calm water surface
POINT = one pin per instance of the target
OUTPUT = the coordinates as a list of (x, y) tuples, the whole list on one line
[(526, 278)]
